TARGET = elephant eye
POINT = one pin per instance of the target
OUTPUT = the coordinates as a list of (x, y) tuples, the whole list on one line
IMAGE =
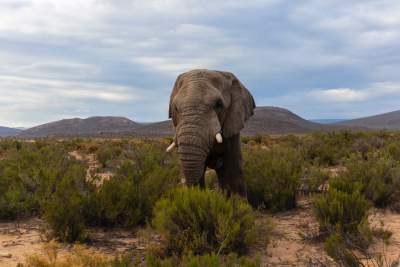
[(219, 104)]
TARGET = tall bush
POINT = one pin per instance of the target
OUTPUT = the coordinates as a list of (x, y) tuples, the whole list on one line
[(64, 210), (339, 211), (201, 222), (143, 175), (29, 176), (378, 177), (272, 177)]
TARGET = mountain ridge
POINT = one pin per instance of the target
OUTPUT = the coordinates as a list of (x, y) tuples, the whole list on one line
[(266, 120), (7, 131), (388, 121), (96, 125)]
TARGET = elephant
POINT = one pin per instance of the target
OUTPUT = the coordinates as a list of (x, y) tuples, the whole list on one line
[(208, 109)]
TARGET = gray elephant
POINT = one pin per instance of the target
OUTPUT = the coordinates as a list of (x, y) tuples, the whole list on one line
[(208, 109)]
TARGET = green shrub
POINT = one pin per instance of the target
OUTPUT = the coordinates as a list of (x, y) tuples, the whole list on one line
[(29, 176), (64, 210), (245, 139), (199, 222), (378, 177), (128, 198), (338, 249), (393, 149), (107, 153), (343, 220), (272, 177), (339, 211), (334, 147), (314, 178), (213, 260)]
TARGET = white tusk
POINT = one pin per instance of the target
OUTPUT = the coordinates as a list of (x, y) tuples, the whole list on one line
[(171, 146), (218, 136)]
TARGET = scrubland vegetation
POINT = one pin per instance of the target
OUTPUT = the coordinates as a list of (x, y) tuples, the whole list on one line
[(201, 227)]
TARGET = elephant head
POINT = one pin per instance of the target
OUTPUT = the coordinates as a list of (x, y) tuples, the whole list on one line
[(206, 107)]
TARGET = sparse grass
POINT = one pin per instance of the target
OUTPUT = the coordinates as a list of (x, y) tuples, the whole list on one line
[(78, 257), (81, 256)]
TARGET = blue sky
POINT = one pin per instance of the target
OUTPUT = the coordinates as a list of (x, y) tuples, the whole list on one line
[(320, 59)]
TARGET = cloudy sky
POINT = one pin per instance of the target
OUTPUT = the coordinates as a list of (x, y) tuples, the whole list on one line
[(79, 58)]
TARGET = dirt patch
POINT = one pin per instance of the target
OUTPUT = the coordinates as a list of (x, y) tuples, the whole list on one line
[(390, 221), (18, 241), (92, 173), (334, 171), (290, 245)]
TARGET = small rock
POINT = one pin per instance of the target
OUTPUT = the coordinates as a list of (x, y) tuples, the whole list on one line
[(5, 255)]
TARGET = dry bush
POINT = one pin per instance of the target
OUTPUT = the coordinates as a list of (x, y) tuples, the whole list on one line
[(79, 257)]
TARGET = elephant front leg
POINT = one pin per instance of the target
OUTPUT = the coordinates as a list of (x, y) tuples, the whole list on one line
[(202, 181), (230, 175)]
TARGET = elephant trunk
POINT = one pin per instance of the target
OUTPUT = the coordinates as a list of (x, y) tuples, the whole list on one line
[(193, 150)]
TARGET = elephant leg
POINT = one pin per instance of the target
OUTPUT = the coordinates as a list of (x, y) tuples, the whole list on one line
[(202, 181), (221, 181), (232, 178)]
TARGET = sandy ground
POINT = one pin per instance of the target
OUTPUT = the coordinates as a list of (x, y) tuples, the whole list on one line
[(18, 241), (388, 221), (291, 243)]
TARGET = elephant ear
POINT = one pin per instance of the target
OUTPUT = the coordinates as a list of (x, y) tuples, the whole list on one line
[(171, 111), (240, 109)]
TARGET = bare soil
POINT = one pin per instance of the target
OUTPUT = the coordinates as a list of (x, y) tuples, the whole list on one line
[(390, 221), (20, 240), (292, 240)]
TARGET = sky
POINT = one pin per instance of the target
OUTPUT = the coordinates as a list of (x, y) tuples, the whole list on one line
[(330, 59)]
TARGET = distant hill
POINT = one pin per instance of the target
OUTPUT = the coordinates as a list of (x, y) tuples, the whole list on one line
[(327, 121), (266, 120), (6, 132), (389, 121), (275, 120), (93, 126)]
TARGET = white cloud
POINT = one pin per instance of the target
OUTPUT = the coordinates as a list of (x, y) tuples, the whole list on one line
[(374, 92), (31, 101), (340, 103), (48, 90), (113, 94), (339, 95), (174, 65), (196, 31)]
